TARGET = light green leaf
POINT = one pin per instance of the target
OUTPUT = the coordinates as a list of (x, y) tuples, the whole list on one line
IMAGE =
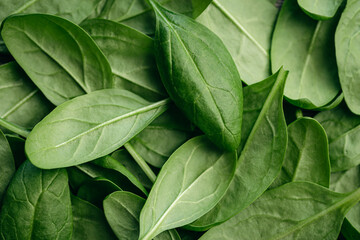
[(320, 9)]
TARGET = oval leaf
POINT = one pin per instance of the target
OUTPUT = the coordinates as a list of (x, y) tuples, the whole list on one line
[(189, 184), (320, 9), (34, 199), (89, 127), (200, 76), (61, 73)]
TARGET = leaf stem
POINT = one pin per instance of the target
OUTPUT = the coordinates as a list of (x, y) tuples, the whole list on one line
[(14, 128), (141, 162), (299, 113)]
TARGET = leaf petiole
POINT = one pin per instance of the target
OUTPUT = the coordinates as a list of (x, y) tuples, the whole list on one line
[(14, 128)]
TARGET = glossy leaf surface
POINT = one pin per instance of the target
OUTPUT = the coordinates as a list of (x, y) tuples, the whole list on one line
[(307, 154), (34, 199), (245, 27), (7, 164), (263, 153), (190, 183), (89, 222), (347, 42), (343, 130), (21, 102), (200, 76), (75, 11), (131, 56), (306, 48), (89, 127), (68, 62), (320, 9), (297, 210)]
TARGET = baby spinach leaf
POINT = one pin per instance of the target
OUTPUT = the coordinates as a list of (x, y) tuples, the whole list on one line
[(89, 222), (111, 163), (37, 205), (61, 73), (89, 127), (343, 182), (297, 210), (162, 137), (343, 130), (75, 11), (7, 164), (21, 102), (122, 210), (190, 183), (320, 9), (307, 154), (96, 190), (245, 27), (200, 76), (306, 48), (123, 157), (17, 145), (131, 57), (347, 54), (263, 152), (138, 14)]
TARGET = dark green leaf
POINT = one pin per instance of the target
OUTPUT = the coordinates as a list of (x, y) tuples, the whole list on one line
[(68, 62), (200, 76), (17, 145), (190, 183), (7, 164), (89, 127)]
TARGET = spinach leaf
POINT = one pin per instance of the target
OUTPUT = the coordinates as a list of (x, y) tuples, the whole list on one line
[(190, 183), (200, 76), (263, 152), (89, 222), (320, 9), (138, 14), (89, 127), (131, 57), (122, 210), (347, 54), (343, 130), (37, 205), (76, 68), (245, 27), (17, 145), (21, 102), (297, 210), (75, 11), (123, 157), (307, 154), (162, 137), (343, 182), (306, 48), (7, 164)]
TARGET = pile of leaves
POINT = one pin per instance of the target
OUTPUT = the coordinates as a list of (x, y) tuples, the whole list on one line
[(169, 119)]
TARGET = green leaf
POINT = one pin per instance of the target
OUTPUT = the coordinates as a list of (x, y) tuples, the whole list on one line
[(162, 137), (320, 9), (343, 130), (89, 127), (89, 222), (122, 210), (347, 54), (245, 27), (263, 152), (75, 11), (123, 157), (190, 183), (17, 145), (297, 210), (306, 48), (37, 205), (138, 14), (21, 102), (200, 76), (61, 73), (7, 164), (307, 154), (131, 57)]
